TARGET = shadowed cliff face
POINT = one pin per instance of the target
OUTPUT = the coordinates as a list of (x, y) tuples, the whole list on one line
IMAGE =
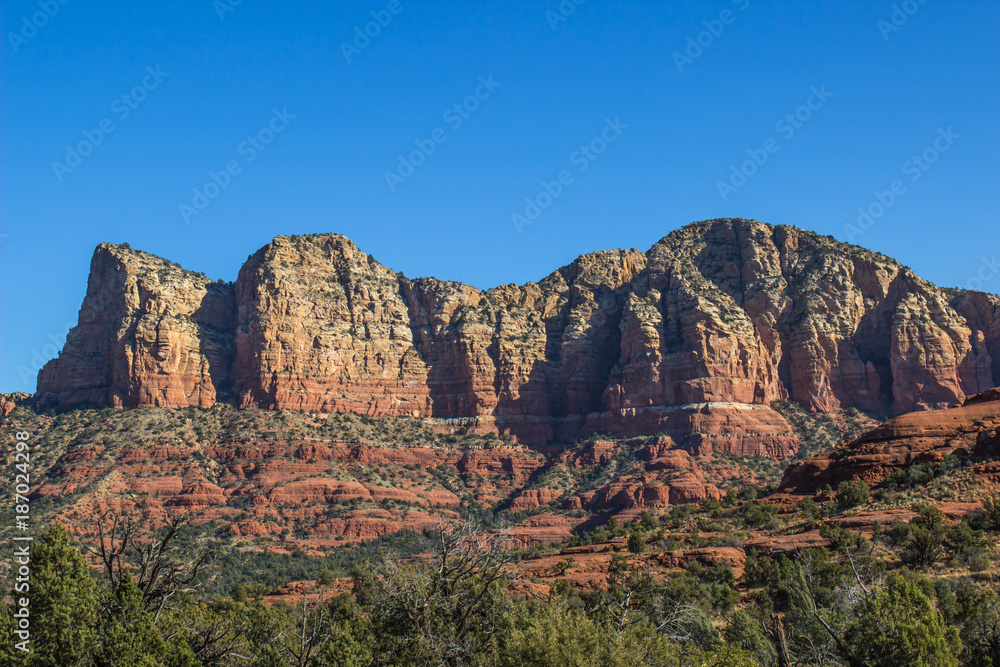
[(694, 338)]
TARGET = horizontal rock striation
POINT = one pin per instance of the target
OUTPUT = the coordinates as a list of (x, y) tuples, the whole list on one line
[(693, 338)]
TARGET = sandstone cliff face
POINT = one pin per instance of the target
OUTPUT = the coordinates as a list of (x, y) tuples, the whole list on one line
[(321, 327), (982, 314), (694, 338), (149, 333)]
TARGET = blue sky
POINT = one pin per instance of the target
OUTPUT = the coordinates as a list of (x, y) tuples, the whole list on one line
[(641, 108)]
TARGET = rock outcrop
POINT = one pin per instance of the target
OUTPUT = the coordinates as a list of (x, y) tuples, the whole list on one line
[(694, 338), (149, 334), (10, 401), (970, 430)]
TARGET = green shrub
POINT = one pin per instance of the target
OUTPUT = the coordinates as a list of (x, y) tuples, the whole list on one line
[(852, 494), (992, 508), (755, 513)]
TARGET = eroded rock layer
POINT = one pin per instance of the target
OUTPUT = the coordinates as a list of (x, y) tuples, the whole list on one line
[(694, 338), (970, 430)]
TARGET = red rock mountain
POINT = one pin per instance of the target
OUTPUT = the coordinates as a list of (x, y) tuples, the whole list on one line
[(694, 338)]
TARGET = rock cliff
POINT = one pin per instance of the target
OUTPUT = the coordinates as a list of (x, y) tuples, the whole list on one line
[(149, 334), (693, 339)]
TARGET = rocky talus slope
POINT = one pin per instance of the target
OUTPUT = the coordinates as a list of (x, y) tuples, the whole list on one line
[(286, 479), (693, 339)]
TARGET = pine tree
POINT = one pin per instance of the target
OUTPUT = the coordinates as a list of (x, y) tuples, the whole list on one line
[(128, 637), (64, 603), (898, 625)]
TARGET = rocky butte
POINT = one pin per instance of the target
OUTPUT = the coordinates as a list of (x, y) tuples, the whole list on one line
[(694, 339)]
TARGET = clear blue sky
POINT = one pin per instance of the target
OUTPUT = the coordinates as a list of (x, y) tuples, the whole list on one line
[(688, 123)]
